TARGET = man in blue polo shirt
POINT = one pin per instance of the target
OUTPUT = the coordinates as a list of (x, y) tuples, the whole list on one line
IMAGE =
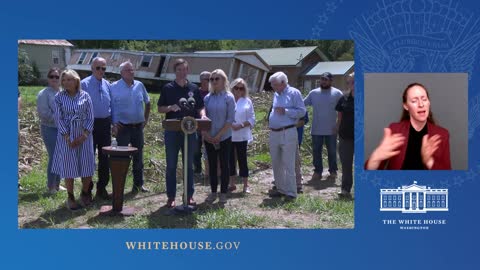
[(99, 90), (168, 103), (130, 117)]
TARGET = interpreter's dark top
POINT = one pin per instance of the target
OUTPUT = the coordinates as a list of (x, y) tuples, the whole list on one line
[(171, 93), (413, 156), (345, 106)]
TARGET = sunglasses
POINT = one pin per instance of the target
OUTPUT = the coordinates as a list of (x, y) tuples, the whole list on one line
[(214, 79), (102, 68), (53, 77), (241, 88)]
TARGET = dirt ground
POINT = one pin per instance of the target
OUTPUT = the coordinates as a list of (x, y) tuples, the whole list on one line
[(152, 213)]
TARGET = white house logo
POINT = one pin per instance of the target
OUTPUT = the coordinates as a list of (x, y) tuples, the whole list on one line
[(414, 199)]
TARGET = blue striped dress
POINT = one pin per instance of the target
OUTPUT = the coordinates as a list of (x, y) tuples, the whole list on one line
[(73, 115)]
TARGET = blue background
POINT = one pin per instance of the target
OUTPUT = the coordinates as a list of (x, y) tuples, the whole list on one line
[(371, 245)]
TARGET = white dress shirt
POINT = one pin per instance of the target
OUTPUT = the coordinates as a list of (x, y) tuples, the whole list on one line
[(243, 112)]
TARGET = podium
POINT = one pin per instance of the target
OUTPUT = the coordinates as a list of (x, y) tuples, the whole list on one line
[(119, 158), (188, 125)]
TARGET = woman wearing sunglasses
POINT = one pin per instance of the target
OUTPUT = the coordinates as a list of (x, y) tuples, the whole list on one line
[(241, 133), (48, 127), (220, 108)]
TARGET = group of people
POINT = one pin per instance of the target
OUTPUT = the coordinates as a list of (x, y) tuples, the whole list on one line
[(333, 115), (79, 117)]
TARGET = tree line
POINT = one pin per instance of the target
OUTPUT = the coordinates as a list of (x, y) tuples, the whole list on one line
[(335, 50)]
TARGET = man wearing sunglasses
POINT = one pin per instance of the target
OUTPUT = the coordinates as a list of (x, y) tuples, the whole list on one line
[(99, 90)]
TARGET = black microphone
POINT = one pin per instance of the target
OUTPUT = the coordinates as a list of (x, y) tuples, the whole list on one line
[(183, 103), (191, 102)]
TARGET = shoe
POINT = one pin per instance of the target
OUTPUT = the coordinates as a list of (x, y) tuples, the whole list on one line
[(20, 188), (102, 194), (316, 176), (289, 198), (232, 188), (192, 202), (85, 199), (222, 198), (274, 193), (61, 188), (332, 175), (344, 194), (71, 203), (136, 189), (246, 189), (211, 197), (299, 190), (171, 203)]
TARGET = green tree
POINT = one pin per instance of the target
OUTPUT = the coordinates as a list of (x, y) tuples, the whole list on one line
[(25, 69)]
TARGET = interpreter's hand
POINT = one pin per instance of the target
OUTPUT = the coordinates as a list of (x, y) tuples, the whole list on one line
[(279, 110), (173, 108), (204, 117), (236, 127), (389, 147), (429, 146)]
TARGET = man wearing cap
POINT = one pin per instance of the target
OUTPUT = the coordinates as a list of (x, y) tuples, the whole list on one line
[(324, 124), (99, 90)]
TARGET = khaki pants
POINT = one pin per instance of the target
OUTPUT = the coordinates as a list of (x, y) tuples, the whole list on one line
[(283, 145)]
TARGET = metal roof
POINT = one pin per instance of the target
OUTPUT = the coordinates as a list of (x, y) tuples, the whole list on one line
[(285, 56), (278, 56), (335, 67), (48, 42)]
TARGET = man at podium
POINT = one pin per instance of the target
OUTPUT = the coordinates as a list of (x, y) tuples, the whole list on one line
[(179, 98)]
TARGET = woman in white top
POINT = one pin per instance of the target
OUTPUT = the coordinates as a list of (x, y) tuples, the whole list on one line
[(241, 133)]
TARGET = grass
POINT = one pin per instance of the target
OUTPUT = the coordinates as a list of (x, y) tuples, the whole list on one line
[(221, 218), (37, 209), (29, 94), (339, 212)]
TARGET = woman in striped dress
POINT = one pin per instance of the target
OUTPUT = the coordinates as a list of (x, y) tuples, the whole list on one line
[(74, 156)]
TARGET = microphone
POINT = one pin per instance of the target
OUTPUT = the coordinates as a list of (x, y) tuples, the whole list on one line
[(191, 102), (183, 102)]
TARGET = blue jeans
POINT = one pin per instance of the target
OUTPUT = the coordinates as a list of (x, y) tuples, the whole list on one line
[(331, 142), (173, 144), (49, 136)]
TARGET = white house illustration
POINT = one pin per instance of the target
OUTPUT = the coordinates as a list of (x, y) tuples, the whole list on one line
[(414, 199)]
